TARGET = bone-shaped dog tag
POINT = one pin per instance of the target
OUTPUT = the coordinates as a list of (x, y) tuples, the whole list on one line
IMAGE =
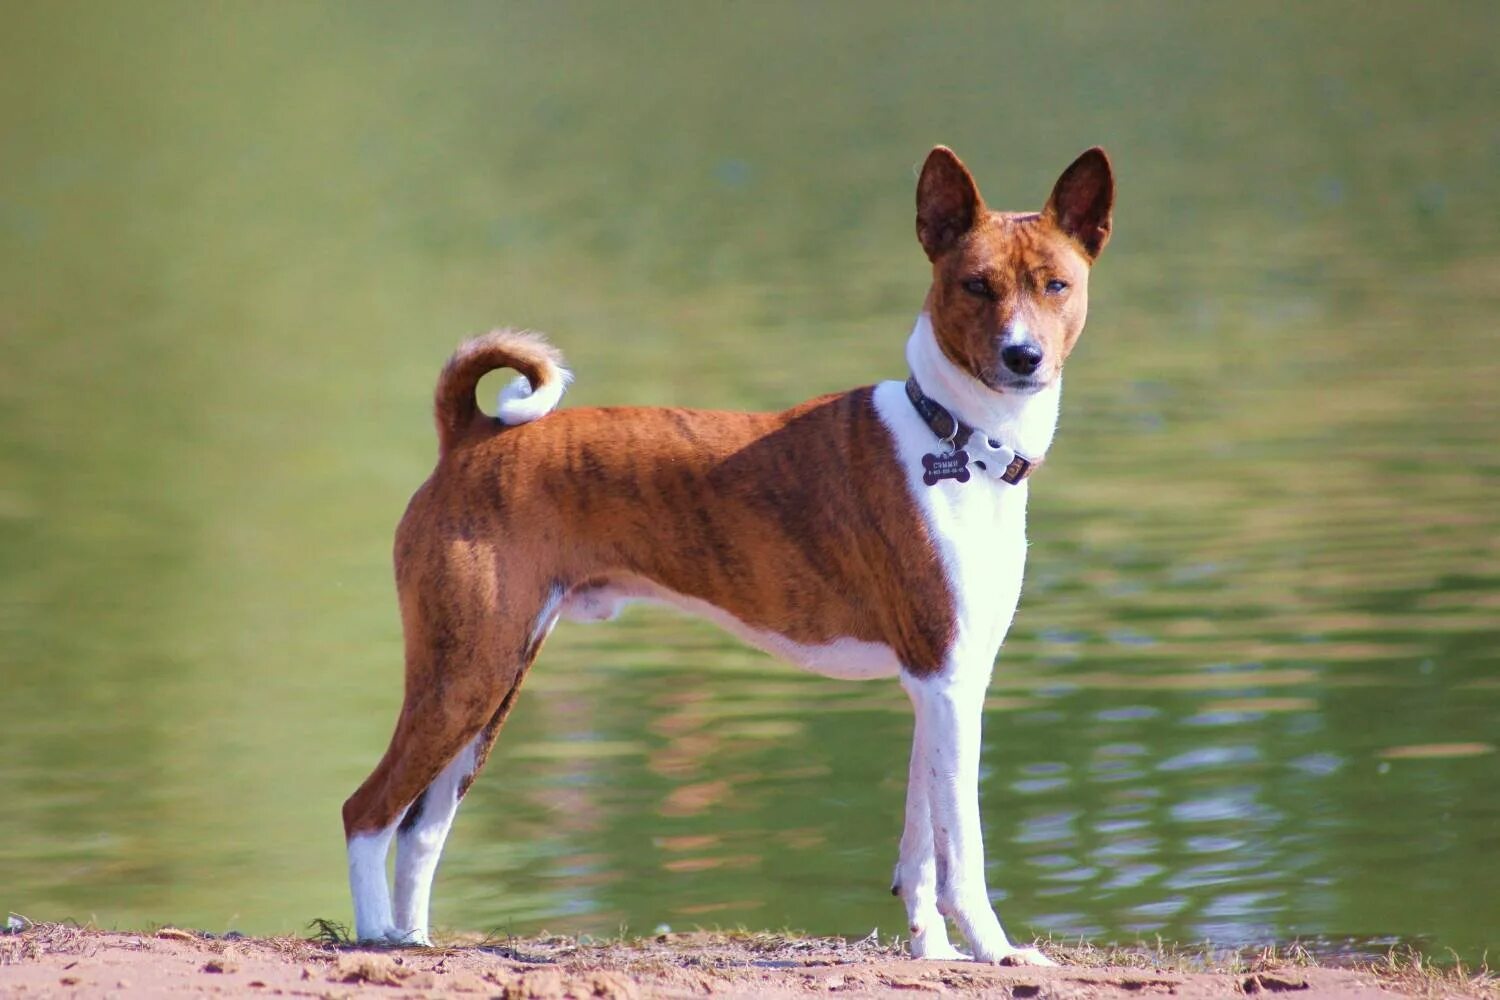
[(993, 457), (954, 465)]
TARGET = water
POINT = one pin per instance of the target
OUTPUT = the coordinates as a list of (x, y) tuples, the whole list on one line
[(1251, 693)]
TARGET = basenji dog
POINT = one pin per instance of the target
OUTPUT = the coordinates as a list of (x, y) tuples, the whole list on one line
[(875, 533)]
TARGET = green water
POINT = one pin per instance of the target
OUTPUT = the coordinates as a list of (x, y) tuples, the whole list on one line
[(1251, 694)]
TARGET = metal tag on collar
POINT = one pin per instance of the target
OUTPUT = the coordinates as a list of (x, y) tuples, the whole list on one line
[(951, 463)]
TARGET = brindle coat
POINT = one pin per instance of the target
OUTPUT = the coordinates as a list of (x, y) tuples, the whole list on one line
[(798, 523)]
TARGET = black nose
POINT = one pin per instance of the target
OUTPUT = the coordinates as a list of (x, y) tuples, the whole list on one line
[(1021, 358)]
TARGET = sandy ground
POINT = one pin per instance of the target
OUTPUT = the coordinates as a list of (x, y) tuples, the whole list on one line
[(55, 960)]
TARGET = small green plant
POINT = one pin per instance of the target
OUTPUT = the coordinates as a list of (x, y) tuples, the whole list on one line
[(330, 932)]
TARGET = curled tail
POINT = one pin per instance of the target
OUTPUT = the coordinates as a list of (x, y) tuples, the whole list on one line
[(534, 394)]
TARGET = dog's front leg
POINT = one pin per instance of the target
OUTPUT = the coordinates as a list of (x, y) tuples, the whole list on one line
[(915, 880), (949, 709)]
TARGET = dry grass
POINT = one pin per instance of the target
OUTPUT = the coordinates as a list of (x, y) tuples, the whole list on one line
[(31, 941), (702, 950), (1407, 972), (1164, 956)]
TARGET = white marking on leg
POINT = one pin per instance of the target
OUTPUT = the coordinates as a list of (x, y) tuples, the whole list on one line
[(950, 750), (951, 711), (368, 885), (916, 869), (419, 846)]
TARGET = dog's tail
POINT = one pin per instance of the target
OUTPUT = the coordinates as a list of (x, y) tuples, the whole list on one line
[(534, 393)]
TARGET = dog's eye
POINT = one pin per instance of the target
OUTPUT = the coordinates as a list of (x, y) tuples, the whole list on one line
[(1055, 287), (978, 286)]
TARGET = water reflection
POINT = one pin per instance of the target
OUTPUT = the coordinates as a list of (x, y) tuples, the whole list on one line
[(1193, 816)]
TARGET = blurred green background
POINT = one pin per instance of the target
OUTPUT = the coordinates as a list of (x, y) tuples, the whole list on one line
[(1251, 694)]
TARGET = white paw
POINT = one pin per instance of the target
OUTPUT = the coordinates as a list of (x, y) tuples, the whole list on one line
[(1022, 956), (376, 938), (937, 952), (390, 937), (929, 940), (410, 939)]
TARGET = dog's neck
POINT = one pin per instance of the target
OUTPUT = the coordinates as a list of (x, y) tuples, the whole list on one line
[(1023, 422)]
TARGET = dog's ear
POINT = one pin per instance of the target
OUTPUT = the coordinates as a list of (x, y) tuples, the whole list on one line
[(948, 202), (1083, 199)]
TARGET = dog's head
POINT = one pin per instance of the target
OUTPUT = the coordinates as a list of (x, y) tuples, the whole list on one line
[(1010, 289)]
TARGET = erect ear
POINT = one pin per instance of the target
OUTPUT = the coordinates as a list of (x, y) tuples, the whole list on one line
[(1082, 200), (947, 201)]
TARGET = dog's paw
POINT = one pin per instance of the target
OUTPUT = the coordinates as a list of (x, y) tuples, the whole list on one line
[(409, 939), (999, 951), (1025, 956), (929, 940), (390, 937), (379, 938), (938, 952)]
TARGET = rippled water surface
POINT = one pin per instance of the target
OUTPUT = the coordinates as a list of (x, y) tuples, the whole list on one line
[(1251, 693)]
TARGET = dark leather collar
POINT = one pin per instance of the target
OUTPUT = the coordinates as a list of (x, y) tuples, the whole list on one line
[(954, 433)]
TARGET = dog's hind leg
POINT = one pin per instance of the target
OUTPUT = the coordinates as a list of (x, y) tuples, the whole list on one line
[(429, 743), (464, 667), (424, 829), (419, 842)]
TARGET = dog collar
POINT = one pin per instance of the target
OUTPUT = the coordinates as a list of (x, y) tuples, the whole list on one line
[(994, 459)]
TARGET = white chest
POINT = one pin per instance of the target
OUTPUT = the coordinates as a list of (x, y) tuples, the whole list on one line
[(979, 528)]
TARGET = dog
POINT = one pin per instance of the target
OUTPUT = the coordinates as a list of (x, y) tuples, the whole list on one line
[(875, 533)]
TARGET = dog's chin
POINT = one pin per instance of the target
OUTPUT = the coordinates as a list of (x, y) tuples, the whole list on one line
[(1014, 385)]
